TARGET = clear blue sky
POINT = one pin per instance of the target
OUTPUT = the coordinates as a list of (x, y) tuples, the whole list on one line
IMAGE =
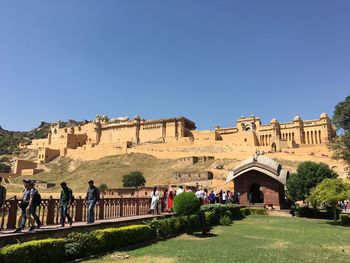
[(211, 61)]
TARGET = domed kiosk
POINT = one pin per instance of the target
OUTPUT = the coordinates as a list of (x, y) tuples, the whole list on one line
[(259, 180)]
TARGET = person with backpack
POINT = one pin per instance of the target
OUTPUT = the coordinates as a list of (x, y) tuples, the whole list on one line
[(26, 206), (92, 196), (66, 200), (34, 202)]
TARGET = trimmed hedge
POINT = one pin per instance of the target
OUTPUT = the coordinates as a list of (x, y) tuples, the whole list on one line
[(186, 204), (79, 245), (210, 218), (253, 211), (113, 238), (176, 225), (226, 219), (46, 250), (309, 212), (345, 219), (76, 245), (220, 210)]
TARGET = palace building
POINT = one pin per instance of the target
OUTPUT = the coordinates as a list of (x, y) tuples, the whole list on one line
[(104, 136)]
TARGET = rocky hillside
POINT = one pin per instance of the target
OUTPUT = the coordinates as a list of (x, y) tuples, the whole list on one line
[(9, 140)]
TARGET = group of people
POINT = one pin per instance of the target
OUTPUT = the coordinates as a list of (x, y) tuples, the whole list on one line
[(344, 205), (31, 199), (222, 197)]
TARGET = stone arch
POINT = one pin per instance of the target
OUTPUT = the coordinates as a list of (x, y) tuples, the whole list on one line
[(256, 194), (273, 147)]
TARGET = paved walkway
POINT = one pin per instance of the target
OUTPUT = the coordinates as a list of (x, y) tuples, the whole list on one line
[(7, 236)]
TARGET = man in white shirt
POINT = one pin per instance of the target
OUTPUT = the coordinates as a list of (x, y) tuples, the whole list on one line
[(200, 195), (180, 190), (224, 197)]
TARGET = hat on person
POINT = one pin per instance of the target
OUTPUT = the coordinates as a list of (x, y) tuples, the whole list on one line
[(26, 180)]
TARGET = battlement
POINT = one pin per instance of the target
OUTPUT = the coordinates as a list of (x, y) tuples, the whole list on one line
[(105, 136)]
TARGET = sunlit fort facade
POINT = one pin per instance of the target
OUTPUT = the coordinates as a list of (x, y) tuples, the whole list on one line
[(105, 136)]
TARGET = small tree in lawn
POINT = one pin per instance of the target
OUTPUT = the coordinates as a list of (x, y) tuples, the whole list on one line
[(340, 145), (330, 192), (309, 174), (134, 179)]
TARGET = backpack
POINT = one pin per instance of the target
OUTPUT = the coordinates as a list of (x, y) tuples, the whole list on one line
[(36, 198), (72, 198), (97, 193)]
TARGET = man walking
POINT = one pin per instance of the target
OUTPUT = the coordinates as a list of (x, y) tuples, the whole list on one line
[(65, 202), (2, 194), (24, 205), (212, 197), (34, 202), (92, 197)]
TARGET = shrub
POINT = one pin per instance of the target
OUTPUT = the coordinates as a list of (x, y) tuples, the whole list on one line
[(210, 218), (171, 226), (179, 224), (196, 222), (220, 210), (225, 220), (309, 212), (113, 238), (254, 211), (245, 211), (186, 204), (79, 245), (37, 251), (345, 219)]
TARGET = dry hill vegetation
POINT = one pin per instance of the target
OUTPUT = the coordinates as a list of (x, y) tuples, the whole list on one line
[(109, 170)]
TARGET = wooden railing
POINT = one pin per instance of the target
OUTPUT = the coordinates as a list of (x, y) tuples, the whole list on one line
[(49, 214)]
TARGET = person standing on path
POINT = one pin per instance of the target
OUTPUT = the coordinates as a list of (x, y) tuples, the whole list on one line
[(154, 201), (35, 201), (65, 202), (24, 205), (92, 196), (170, 201), (2, 196)]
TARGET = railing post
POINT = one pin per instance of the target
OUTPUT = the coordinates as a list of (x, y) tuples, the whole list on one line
[(50, 211), (101, 204), (79, 210), (137, 206), (121, 206), (12, 216)]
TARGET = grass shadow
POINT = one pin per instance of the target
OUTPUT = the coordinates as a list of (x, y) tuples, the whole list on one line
[(338, 223), (200, 235)]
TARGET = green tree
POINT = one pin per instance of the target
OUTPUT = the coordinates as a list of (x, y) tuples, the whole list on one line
[(330, 192), (340, 145), (341, 116), (102, 187), (308, 175), (134, 179)]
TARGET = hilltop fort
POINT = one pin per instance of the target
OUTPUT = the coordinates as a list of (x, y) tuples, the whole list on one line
[(173, 136)]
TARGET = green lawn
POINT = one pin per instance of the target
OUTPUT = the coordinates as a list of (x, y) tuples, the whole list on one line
[(254, 239)]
